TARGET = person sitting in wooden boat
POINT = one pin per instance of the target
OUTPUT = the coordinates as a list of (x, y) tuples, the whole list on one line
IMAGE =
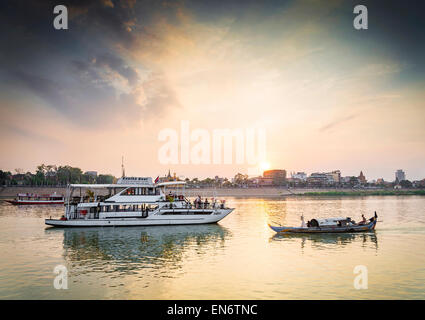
[(363, 220)]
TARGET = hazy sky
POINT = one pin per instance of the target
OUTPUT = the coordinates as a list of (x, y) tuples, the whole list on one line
[(329, 96)]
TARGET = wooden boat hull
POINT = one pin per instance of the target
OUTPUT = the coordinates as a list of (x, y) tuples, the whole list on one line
[(349, 229), (29, 202)]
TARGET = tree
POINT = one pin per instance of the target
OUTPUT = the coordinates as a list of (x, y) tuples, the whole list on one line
[(52, 175), (105, 178), (406, 184), (241, 178), (5, 177), (354, 181)]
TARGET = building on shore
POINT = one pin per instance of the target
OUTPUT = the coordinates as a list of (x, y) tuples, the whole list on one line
[(168, 177), (278, 177), (400, 175), (334, 177), (298, 179), (419, 183), (301, 176), (362, 178), (380, 181), (262, 182), (319, 179), (350, 181)]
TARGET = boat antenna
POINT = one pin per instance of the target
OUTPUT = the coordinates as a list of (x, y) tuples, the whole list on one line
[(122, 167)]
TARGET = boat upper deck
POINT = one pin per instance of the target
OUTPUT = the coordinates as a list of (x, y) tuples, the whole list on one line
[(127, 185)]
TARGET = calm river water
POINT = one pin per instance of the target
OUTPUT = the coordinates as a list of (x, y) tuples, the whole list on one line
[(239, 258)]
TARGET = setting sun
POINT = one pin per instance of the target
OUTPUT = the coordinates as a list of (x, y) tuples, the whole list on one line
[(264, 166)]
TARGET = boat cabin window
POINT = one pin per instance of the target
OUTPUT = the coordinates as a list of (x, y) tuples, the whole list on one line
[(128, 207), (140, 191), (129, 192)]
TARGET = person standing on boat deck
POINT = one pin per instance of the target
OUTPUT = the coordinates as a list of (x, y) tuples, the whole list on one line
[(303, 225), (363, 220), (198, 202)]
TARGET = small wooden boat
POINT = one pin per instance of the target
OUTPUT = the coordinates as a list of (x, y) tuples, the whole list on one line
[(330, 225), (32, 199)]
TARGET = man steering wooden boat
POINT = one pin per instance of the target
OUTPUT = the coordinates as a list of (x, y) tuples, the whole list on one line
[(330, 225)]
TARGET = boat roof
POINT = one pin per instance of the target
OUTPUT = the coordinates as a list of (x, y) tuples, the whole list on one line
[(126, 185), (110, 185), (53, 195), (330, 219), (169, 183)]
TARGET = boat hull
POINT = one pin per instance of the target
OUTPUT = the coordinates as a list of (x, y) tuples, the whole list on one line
[(29, 202), (153, 220), (350, 229)]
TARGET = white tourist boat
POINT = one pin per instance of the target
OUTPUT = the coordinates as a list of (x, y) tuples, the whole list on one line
[(136, 201)]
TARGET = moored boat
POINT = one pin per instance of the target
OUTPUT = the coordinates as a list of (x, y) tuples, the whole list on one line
[(37, 199), (329, 225), (136, 201)]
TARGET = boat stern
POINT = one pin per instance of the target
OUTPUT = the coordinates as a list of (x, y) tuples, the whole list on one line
[(56, 222)]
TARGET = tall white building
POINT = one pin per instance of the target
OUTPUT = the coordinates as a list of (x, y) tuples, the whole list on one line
[(400, 175)]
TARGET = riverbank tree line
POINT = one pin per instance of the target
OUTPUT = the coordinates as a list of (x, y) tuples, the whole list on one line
[(52, 175)]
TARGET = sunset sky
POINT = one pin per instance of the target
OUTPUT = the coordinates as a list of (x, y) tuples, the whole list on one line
[(329, 96)]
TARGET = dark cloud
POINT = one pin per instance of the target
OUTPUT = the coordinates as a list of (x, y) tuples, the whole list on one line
[(69, 69), (74, 70), (42, 87)]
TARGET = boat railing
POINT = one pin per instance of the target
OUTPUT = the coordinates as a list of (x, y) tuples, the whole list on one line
[(129, 209), (87, 199), (198, 205)]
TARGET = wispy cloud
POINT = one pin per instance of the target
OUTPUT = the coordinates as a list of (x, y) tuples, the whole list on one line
[(337, 122)]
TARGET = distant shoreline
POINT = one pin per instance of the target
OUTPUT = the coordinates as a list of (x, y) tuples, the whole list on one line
[(10, 192), (417, 192)]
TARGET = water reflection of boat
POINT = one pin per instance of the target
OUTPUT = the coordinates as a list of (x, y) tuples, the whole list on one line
[(138, 247), (328, 238)]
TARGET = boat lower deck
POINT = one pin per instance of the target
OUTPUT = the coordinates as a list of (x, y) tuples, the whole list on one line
[(151, 220)]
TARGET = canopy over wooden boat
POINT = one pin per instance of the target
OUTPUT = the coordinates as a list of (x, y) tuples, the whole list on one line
[(332, 225)]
